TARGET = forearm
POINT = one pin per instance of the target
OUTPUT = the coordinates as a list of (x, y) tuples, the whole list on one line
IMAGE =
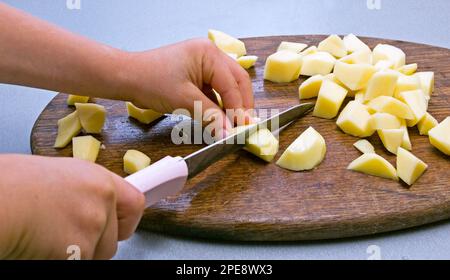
[(37, 54)]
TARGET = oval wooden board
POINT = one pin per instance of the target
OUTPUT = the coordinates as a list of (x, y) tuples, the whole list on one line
[(243, 198)]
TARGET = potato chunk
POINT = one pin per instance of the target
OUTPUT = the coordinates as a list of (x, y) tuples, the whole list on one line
[(72, 99), (375, 165), (262, 144), (68, 127), (409, 167), (334, 46), (381, 83), (329, 100), (355, 120), (92, 117), (291, 46), (440, 136), (317, 63), (392, 138), (227, 43), (426, 81), (418, 104), (134, 160), (310, 87), (247, 61), (426, 123), (406, 142), (364, 146), (359, 57), (144, 116), (387, 104), (305, 153), (408, 69), (406, 83), (282, 67), (354, 44), (391, 53), (354, 76), (85, 147), (385, 121)]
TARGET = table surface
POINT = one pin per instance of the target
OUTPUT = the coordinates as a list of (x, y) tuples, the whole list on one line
[(139, 25)]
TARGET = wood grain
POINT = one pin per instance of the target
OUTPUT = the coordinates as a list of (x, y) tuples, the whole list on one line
[(243, 198)]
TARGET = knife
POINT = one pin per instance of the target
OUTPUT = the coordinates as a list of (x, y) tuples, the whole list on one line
[(168, 176)]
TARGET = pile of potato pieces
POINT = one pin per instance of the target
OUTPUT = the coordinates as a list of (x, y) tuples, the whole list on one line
[(389, 95)]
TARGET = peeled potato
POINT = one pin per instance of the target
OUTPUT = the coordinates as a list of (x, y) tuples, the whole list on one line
[(92, 116), (375, 165), (134, 160), (144, 116), (409, 167), (381, 83), (68, 127), (317, 63), (72, 99), (418, 104), (440, 136), (426, 123), (392, 138), (355, 120), (387, 104), (227, 43), (426, 80), (85, 147), (358, 57), (385, 121), (282, 67), (329, 100), (291, 46), (354, 76), (263, 144), (310, 87), (354, 44), (408, 69), (333, 45), (391, 53), (247, 61), (364, 146)]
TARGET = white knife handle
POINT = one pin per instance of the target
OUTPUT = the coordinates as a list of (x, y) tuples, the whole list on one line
[(163, 178)]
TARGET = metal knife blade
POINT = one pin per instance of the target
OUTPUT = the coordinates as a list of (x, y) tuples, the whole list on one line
[(206, 156)]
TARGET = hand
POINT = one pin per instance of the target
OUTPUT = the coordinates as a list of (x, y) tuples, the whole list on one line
[(48, 204), (175, 76)]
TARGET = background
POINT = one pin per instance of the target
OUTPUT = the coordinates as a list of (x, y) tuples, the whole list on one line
[(139, 25)]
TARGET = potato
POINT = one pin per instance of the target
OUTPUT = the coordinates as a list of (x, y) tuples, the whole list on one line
[(391, 53), (309, 50), (364, 146), (355, 120), (409, 167), (290, 46), (134, 160), (72, 99), (262, 144), (329, 100), (317, 63), (359, 96), (418, 104), (310, 87), (385, 121), (227, 43), (354, 76), (387, 104), (85, 147), (233, 55), (381, 83), (144, 116), (354, 44), (408, 69), (333, 78), (426, 80), (383, 65), (406, 83), (247, 61), (426, 123), (305, 153), (68, 127), (334, 46), (359, 57), (375, 165), (283, 67), (406, 141), (92, 117), (392, 138), (440, 136)]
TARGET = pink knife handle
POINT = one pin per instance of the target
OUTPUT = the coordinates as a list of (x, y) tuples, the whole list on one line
[(163, 178)]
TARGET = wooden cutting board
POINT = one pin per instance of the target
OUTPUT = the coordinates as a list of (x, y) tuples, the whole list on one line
[(243, 198)]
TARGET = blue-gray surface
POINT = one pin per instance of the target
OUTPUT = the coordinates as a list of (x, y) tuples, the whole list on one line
[(139, 25)]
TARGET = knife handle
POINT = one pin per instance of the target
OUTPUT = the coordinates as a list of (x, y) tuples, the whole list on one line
[(163, 178)]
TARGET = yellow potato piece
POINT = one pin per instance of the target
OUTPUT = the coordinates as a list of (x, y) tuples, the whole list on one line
[(134, 160), (310, 50), (387, 104), (364, 146), (355, 120), (68, 127), (392, 138), (354, 44), (329, 100), (262, 144), (385, 121), (409, 167), (383, 65), (334, 46), (291, 46), (406, 142), (406, 83), (283, 67), (426, 81), (375, 165), (247, 61), (305, 153), (381, 83), (440, 136), (354, 76), (426, 123), (359, 57), (310, 87), (72, 99), (359, 96), (333, 78), (317, 63), (418, 104), (144, 116), (227, 43), (408, 69), (391, 53), (92, 116), (85, 147)]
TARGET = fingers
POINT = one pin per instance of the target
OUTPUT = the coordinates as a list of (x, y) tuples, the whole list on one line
[(130, 207), (107, 245)]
